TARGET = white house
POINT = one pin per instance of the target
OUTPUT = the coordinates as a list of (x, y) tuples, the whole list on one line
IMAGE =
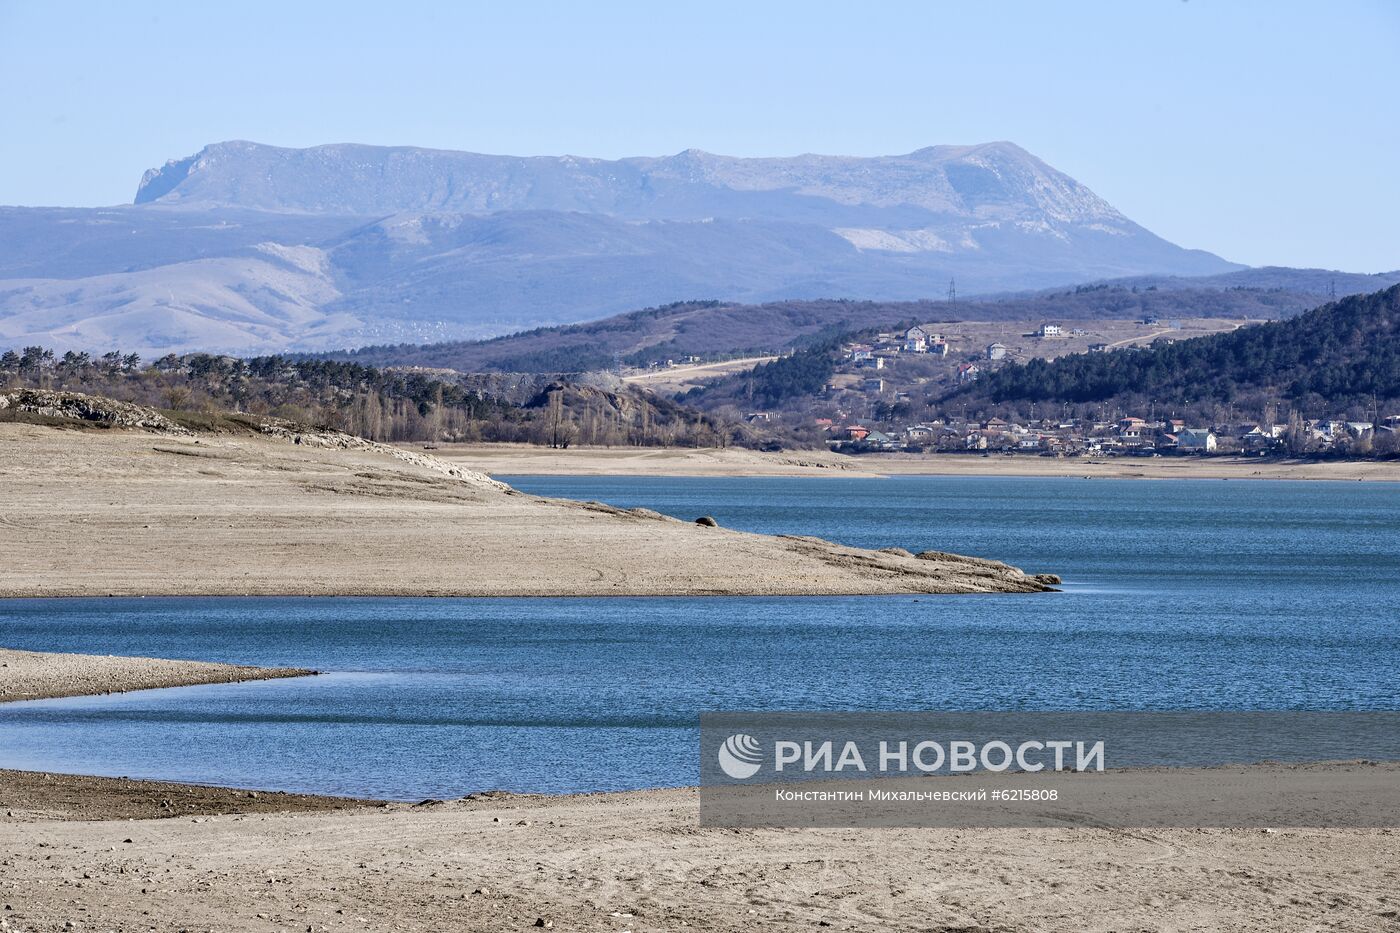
[(1196, 440), (1048, 330), (996, 351)]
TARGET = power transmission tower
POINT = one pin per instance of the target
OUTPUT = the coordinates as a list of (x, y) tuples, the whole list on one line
[(952, 292), (1332, 290)]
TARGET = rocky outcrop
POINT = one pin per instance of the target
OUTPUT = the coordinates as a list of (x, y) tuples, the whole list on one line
[(942, 572), (90, 408), (339, 440)]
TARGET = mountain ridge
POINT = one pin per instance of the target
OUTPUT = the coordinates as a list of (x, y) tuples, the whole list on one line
[(935, 179), (424, 245)]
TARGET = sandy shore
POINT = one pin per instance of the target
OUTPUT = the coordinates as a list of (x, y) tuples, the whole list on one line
[(522, 460), (639, 861), (1133, 467), (528, 459), (114, 512), (35, 675)]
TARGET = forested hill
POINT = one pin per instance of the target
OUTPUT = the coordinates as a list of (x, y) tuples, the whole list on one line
[(1343, 353)]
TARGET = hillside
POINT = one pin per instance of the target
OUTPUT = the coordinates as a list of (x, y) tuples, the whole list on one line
[(1343, 353), (716, 329), (243, 248)]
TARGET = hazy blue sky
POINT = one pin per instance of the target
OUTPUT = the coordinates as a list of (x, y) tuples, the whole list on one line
[(1267, 132)]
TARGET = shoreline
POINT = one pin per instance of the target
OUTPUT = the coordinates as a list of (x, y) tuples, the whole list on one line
[(529, 460), (32, 796), (1128, 468), (130, 513), (48, 675)]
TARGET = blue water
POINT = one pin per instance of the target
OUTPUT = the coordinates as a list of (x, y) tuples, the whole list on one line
[(1178, 594)]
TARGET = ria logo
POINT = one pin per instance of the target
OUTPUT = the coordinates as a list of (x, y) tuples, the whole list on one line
[(740, 756)]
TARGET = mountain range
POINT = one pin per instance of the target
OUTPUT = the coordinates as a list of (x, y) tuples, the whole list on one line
[(249, 248)]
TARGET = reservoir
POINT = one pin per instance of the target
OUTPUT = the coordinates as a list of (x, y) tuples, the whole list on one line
[(1190, 594)]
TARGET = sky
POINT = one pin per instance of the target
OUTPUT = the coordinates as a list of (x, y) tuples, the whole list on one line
[(1266, 132)]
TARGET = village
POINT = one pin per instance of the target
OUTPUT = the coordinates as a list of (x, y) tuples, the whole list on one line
[(881, 383), (1128, 436)]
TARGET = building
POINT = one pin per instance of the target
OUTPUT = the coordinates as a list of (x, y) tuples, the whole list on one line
[(938, 347), (996, 351), (1196, 440), (968, 372), (918, 434), (1098, 348), (1049, 330), (916, 340), (1262, 437), (880, 440), (1133, 430)]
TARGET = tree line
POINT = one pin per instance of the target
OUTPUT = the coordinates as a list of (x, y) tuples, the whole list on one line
[(378, 404)]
